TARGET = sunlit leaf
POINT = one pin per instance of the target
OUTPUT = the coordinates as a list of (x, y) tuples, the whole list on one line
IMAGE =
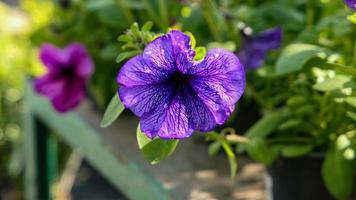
[(330, 84), (155, 150), (295, 56)]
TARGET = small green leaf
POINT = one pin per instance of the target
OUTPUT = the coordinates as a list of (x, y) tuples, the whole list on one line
[(214, 148), (295, 56), (147, 26), (155, 150), (296, 150), (342, 68), (124, 38), (330, 84), (112, 112), (135, 29), (267, 124), (94, 5), (126, 55), (192, 39), (338, 174), (291, 123), (200, 53)]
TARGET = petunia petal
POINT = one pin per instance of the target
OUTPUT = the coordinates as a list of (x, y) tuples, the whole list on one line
[(351, 4), (79, 58), (52, 57), (138, 71), (183, 52), (145, 98), (160, 53), (72, 94), (268, 39), (49, 85), (219, 81)]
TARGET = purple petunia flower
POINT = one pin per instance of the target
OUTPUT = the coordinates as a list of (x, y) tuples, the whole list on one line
[(174, 95), (254, 48), (351, 4), (67, 73)]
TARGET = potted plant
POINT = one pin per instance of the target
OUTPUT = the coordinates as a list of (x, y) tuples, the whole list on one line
[(307, 135)]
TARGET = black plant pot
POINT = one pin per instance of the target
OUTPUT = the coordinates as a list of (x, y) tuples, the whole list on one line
[(297, 179)]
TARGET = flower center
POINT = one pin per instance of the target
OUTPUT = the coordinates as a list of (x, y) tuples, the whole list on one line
[(180, 81), (67, 70)]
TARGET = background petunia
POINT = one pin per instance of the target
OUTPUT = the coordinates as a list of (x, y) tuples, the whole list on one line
[(68, 71), (351, 4), (174, 95), (255, 47)]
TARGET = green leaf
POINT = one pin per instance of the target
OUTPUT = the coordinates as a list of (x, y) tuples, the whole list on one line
[(295, 56), (338, 174), (258, 150), (352, 115), (126, 55), (214, 148), (330, 84), (296, 150), (147, 26), (112, 112), (342, 68), (155, 150), (267, 124)]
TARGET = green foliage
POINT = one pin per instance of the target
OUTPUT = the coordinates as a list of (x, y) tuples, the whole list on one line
[(295, 56), (338, 174), (155, 150), (112, 112)]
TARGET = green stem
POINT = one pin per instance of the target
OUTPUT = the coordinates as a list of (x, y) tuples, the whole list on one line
[(310, 15), (164, 13), (208, 11)]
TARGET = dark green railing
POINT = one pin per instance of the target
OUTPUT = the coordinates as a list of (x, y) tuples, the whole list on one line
[(40, 146)]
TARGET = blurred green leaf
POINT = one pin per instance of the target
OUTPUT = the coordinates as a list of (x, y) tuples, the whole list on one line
[(110, 51), (338, 174), (330, 84), (352, 115), (267, 124), (229, 45), (128, 54), (112, 112), (295, 56), (112, 16), (258, 150), (94, 5), (351, 101), (155, 150), (214, 148), (296, 150)]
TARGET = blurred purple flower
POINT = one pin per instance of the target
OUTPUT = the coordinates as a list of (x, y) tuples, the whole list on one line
[(174, 95), (67, 73), (351, 4), (254, 48)]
